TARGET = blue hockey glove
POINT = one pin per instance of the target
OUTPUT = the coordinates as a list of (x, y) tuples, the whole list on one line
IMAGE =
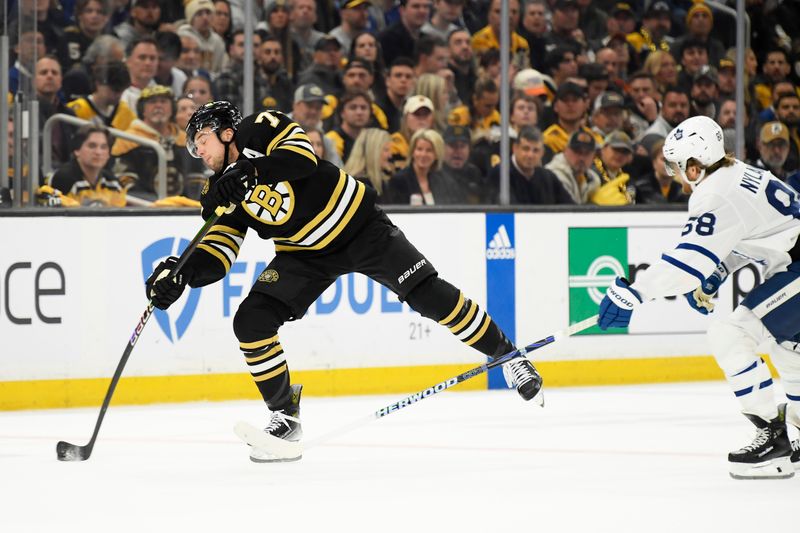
[(700, 298), (161, 287), (618, 304)]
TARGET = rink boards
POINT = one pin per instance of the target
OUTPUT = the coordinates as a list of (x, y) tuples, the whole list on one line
[(72, 293)]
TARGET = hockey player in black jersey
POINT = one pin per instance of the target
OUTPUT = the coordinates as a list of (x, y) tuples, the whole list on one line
[(324, 224)]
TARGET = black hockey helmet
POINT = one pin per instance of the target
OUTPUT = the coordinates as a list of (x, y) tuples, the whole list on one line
[(218, 116)]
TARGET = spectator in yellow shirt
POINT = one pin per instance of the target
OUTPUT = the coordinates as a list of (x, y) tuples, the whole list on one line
[(487, 38)]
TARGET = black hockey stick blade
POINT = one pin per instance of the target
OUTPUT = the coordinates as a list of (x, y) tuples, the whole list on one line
[(72, 452)]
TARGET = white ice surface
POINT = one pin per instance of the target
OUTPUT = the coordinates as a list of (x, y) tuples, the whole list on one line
[(623, 459)]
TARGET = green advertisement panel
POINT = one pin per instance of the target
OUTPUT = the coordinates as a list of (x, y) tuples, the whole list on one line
[(596, 257)]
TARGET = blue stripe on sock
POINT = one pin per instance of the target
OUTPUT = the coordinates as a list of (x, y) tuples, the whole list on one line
[(683, 266), (748, 369), (765, 384), (793, 398), (699, 249), (742, 392)]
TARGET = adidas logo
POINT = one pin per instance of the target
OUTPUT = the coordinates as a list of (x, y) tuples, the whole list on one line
[(500, 246)]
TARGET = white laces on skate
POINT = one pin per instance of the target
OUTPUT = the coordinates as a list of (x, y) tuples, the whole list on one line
[(796, 445), (520, 372), (280, 419), (762, 437)]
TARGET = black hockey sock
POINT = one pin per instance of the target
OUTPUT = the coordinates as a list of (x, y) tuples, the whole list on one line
[(438, 300)]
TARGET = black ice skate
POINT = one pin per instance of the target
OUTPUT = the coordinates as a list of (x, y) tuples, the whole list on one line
[(519, 373), (284, 424), (768, 456)]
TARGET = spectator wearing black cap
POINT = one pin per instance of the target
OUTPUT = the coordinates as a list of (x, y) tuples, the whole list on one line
[(573, 167), (674, 110), (143, 21), (654, 32), (693, 56), (705, 92), (699, 24), (529, 182), (400, 37), (615, 153), (457, 166), (608, 113), (488, 37), (355, 19), (656, 186), (726, 78), (570, 107), (564, 27), (324, 71), (109, 81)]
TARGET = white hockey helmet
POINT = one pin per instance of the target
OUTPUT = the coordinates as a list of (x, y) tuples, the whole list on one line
[(698, 138)]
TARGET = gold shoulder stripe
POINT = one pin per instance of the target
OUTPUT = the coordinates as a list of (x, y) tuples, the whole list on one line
[(296, 149), (279, 137)]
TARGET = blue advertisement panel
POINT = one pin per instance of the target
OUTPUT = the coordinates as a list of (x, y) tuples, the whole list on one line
[(500, 275)]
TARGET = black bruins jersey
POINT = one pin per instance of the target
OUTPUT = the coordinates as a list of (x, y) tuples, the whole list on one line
[(303, 204)]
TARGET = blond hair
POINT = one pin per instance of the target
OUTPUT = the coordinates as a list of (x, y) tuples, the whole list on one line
[(433, 137), (434, 87), (654, 62), (365, 157)]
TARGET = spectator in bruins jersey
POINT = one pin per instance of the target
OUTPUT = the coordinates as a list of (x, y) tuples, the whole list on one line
[(289, 196), (355, 113), (136, 165), (481, 115), (418, 114), (488, 37), (91, 17), (422, 182), (570, 107), (109, 81), (615, 153), (85, 177), (654, 32), (370, 160)]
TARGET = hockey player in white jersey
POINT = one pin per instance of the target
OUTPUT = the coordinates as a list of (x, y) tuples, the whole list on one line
[(738, 214)]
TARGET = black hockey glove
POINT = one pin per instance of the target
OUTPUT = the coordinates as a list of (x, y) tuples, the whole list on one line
[(161, 288), (231, 187)]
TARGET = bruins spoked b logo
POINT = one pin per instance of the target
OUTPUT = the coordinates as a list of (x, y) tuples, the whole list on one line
[(269, 276), (271, 204)]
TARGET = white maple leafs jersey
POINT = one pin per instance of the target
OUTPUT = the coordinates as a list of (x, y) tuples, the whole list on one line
[(738, 215)]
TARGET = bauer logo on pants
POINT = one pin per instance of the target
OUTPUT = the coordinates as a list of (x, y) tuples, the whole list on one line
[(596, 257), (152, 255)]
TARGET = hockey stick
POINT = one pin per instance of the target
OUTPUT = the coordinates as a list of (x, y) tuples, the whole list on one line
[(72, 452), (287, 450)]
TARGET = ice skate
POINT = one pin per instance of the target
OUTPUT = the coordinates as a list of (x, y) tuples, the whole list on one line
[(284, 424), (520, 373), (768, 456)]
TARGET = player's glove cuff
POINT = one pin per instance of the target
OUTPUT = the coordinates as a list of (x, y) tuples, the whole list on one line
[(617, 305)]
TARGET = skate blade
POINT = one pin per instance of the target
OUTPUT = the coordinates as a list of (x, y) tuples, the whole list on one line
[(781, 468), (280, 450)]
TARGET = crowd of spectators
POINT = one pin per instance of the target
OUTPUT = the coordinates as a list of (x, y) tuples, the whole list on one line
[(404, 94)]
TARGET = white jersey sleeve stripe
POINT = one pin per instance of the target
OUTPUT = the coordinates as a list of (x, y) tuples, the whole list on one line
[(683, 266), (701, 250)]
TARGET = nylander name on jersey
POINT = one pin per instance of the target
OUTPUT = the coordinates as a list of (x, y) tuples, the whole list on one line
[(302, 203), (737, 215)]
